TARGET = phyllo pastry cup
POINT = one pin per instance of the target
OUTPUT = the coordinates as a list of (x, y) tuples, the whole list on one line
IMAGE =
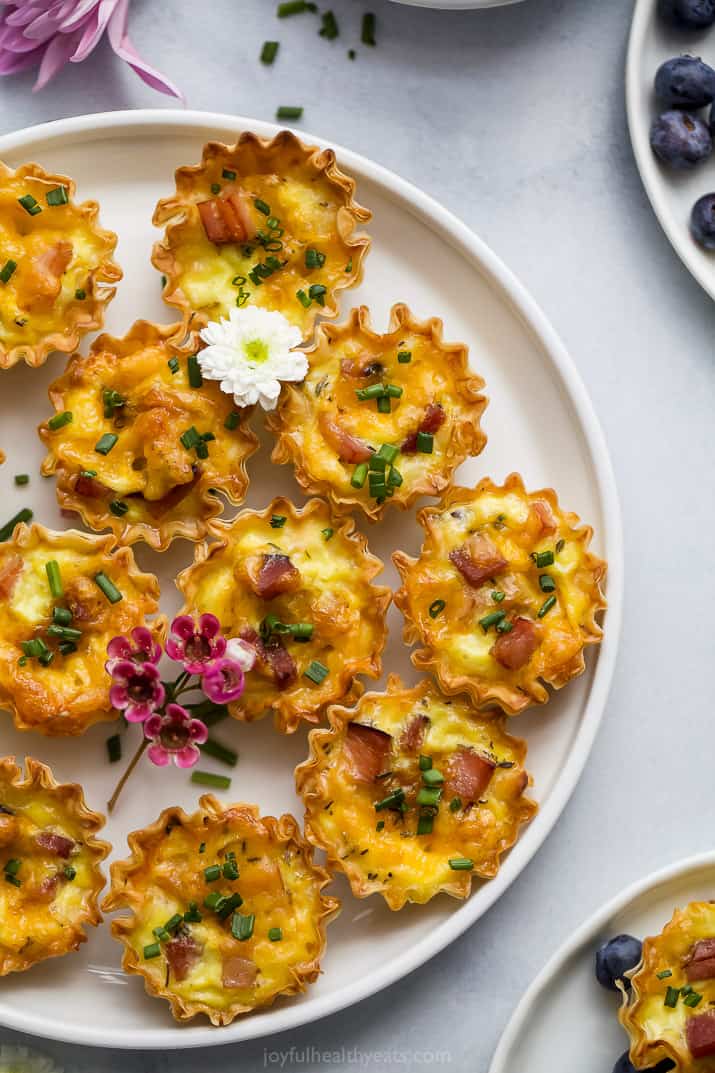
[(380, 419), (297, 586), (668, 1010), (411, 793), (57, 272), (227, 910), (140, 443), (51, 860), (63, 597), (266, 222), (504, 595)]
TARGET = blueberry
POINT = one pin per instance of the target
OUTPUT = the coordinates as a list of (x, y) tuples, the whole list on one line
[(702, 221), (615, 958), (680, 139), (623, 1065), (685, 82), (691, 14)]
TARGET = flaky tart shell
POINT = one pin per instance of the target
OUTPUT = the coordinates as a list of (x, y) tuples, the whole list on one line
[(304, 189), (71, 693), (43, 913), (517, 524), (150, 486), (312, 416), (279, 884), (335, 593), (379, 850), (657, 1031), (42, 307)]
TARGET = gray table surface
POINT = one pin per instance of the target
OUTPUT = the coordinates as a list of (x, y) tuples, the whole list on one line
[(514, 119)]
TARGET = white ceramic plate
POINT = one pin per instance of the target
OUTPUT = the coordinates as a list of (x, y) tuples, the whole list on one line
[(566, 1020), (458, 5), (540, 421), (672, 193)]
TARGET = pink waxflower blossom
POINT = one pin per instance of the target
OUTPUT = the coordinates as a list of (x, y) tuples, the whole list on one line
[(49, 33), (223, 681), (176, 736), (140, 647), (136, 689), (197, 647)]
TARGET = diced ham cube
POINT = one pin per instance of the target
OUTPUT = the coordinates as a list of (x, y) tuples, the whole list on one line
[(347, 447), (414, 733), (514, 649), (367, 750), (239, 972), (10, 571), (701, 962), (55, 844), (434, 418), (547, 522), (182, 953), (478, 560), (275, 574), (90, 487), (700, 1034), (468, 774), (42, 280), (225, 219)]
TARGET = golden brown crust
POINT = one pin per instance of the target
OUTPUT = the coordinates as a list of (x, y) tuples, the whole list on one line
[(49, 927), (454, 648), (381, 851), (279, 884), (46, 330), (149, 464), (335, 594), (72, 692), (437, 375), (263, 163)]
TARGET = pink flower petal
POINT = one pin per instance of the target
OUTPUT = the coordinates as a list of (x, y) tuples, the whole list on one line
[(198, 731), (118, 697), (137, 713), (153, 725), (176, 715), (158, 755), (187, 756), (119, 40), (119, 648), (184, 627), (209, 625), (56, 56)]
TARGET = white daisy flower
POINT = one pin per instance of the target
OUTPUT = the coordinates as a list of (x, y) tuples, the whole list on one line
[(251, 353), (23, 1060)]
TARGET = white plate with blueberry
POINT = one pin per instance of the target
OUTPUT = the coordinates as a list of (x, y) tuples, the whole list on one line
[(669, 101), (568, 1017)]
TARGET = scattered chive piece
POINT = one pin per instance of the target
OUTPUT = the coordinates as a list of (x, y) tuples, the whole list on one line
[(303, 299), (212, 900), (278, 521), (351, 54), (7, 270), (160, 933), (22, 478), (294, 7), (392, 800), (34, 648), (202, 847), (329, 28), (58, 196), (384, 406), (232, 420), (192, 914), (70, 873), (428, 796), (671, 997), (13, 866), (436, 608), (394, 391), (61, 616), (375, 391), (13, 880), (425, 443), (173, 922), (314, 258), (212, 873), (455, 804), (693, 1000), (546, 607), (275, 935), (359, 475), (230, 870), (404, 357), (380, 825), (317, 292), (389, 452), (461, 864), (52, 569), (190, 439), (118, 507), (88, 473), (288, 111), (242, 927), (220, 752), (152, 951), (326, 533), (559, 546), (215, 188), (205, 778), (432, 777), (546, 583), (60, 420), (492, 619), (543, 558), (67, 648), (105, 443), (114, 749), (29, 204), (262, 206), (80, 294), (425, 824), (108, 587), (664, 974), (173, 364), (368, 29), (6, 532), (195, 377), (227, 905), (269, 51), (316, 671), (505, 626), (425, 763), (228, 174), (66, 633)]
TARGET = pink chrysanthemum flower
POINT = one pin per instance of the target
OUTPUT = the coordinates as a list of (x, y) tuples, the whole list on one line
[(176, 736), (197, 647), (50, 33), (223, 681), (136, 689), (140, 647)]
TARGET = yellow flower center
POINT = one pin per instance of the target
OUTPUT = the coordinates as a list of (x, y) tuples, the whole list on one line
[(256, 351)]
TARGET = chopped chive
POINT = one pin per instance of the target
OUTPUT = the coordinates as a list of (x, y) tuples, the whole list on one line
[(436, 608), (428, 796), (13, 880), (546, 607), (425, 443), (505, 626), (21, 479), (153, 950), (205, 778), (375, 391), (88, 473), (190, 439), (13, 866), (393, 800), (118, 507), (66, 633), (461, 864), (394, 391), (230, 870), (232, 420), (302, 631), (227, 905), (278, 521), (173, 922), (287, 111), (389, 452), (192, 914), (295, 7), (404, 357), (29, 204), (34, 648), (212, 900), (492, 619), (105, 443), (543, 558), (7, 270), (46, 658), (559, 546), (498, 596), (425, 823), (455, 804), (202, 847), (112, 401), (380, 826), (114, 749), (671, 997), (108, 587), (432, 777), (173, 364), (384, 406), (220, 752), (215, 188), (425, 763), (67, 648), (664, 974), (60, 420), (317, 292), (195, 377), (58, 196), (227, 173), (24, 515), (329, 28), (314, 258), (368, 29), (212, 873), (326, 533), (351, 53), (262, 206), (242, 927), (70, 873), (61, 616), (303, 299), (269, 51), (275, 935), (316, 671), (546, 583), (160, 933), (359, 475), (80, 294), (52, 569), (694, 999)]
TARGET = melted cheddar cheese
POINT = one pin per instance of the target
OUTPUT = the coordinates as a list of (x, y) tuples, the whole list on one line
[(526, 621), (327, 428), (331, 593), (173, 444), (50, 862), (663, 998), (296, 201), (377, 832), (227, 910), (52, 688), (56, 266)]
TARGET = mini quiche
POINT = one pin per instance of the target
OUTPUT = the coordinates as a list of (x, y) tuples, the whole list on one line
[(50, 860), (411, 794), (263, 222), (227, 910), (296, 585), (504, 594), (668, 1011), (63, 597), (57, 272), (380, 418), (140, 443)]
